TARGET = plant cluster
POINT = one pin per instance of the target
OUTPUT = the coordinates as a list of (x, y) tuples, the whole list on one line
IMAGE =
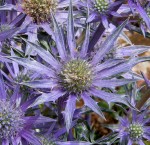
[(61, 62)]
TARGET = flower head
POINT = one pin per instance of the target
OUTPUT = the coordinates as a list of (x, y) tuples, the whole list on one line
[(39, 10), (11, 120), (135, 129), (102, 10), (101, 5), (76, 76)]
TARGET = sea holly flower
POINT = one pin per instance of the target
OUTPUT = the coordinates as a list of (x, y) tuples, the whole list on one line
[(133, 127), (75, 72), (38, 14), (40, 10), (109, 10), (100, 10), (134, 130), (36, 18), (16, 127), (42, 16)]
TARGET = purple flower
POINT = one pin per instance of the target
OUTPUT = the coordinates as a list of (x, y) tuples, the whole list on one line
[(15, 126), (38, 15), (75, 72), (102, 10), (133, 127), (45, 8), (39, 11), (134, 130)]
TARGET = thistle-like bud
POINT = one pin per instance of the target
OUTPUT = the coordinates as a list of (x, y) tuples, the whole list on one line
[(135, 131), (101, 5), (11, 121), (39, 10), (76, 76)]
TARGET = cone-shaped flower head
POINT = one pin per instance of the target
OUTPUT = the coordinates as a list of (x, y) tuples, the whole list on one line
[(9, 26), (76, 76), (11, 121), (133, 127), (101, 10), (136, 131), (39, 10), (101, 5)]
